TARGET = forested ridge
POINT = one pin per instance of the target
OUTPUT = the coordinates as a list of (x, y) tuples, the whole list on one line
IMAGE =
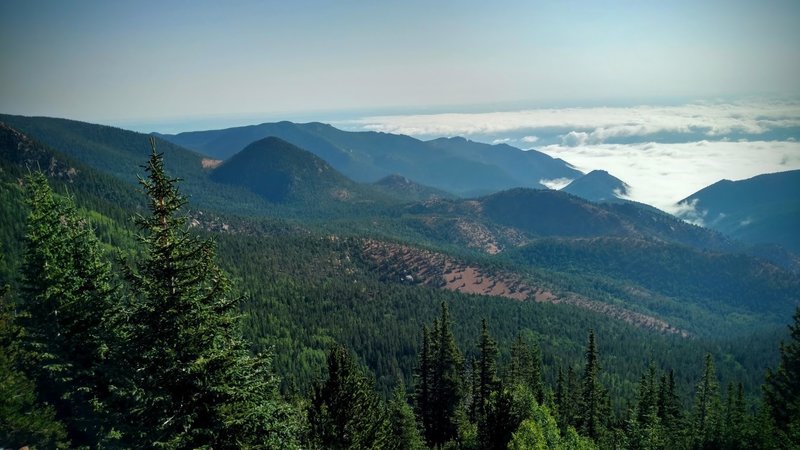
[(307, 346)]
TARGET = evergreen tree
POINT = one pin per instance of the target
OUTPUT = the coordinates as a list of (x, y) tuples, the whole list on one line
[(669, 408), (23, 420), (534, 378), (645, 430), (190, 380), (569, 411), (520, 361), (66, 301), (473, 388), (423, 391), (593, 403), (345, 412), (706, 413), (526, 367), (486, 386), (403, 433), (782, 388), (560, 395), (735, 427), (447, 384), (501, 421)]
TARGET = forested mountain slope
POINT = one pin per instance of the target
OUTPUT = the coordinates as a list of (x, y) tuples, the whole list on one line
[(455, 165), (283, 173)]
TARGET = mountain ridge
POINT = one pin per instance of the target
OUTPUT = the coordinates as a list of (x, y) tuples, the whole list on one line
[(367, 156), (597, 186), (760, 210)]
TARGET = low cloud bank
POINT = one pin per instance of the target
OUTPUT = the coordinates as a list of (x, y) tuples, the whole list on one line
[(597, 125), (663, 174), (665, 153)]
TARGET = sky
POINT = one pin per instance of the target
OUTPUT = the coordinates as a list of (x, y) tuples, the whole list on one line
[(598, 83)]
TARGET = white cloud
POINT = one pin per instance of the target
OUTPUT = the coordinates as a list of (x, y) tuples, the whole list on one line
[(574, 139), (556, 183), (530, 139), (714, 120), (663, 174), (501, 141)]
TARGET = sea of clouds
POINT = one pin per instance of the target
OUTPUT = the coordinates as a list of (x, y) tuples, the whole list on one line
[(664, 153)]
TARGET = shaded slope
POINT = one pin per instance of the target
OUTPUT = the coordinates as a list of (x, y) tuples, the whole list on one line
[(121, 153), (110, 200), (524, 214), (672, 281), (283, 173), (762, 209), (527, 168)]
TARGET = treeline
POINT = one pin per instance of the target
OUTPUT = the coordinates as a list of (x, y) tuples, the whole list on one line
[(152, 355)]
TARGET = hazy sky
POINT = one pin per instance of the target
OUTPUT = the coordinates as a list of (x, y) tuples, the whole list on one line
[(149, 61)]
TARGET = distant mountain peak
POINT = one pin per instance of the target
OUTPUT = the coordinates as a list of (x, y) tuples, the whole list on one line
[(281, 172), (598, 186)]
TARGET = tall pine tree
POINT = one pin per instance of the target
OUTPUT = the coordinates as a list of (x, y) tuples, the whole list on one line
[(190, 380), (593, 413), (423, 390), (487, 384), (526, 367), (66, 302), (345, 412), (440, 375)]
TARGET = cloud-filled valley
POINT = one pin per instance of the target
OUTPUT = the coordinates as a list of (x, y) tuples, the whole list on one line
[(664, 153)]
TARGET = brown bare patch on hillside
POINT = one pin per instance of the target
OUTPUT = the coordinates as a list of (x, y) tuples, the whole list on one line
[(403, 263)]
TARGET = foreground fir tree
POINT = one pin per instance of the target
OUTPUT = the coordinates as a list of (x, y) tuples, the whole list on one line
[(782, 388), (191, 381), (345, 411), (23, 420), (66, 301)]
